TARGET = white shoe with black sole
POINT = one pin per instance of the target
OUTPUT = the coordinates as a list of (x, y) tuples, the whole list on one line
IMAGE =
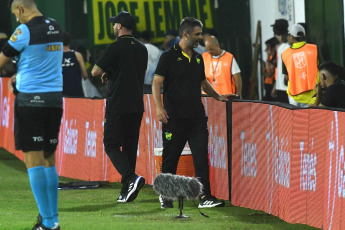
[(210, 202)]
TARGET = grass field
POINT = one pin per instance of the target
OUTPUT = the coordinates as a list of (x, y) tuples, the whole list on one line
[(97, 208)]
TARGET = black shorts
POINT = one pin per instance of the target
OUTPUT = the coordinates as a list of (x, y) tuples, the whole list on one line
[(36, 128)]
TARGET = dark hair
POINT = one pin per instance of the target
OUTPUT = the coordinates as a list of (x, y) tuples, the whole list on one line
[(301, 37), (66, 39), (280, 31), (272, 42), (147, 35), (188, 24), (334, 69)]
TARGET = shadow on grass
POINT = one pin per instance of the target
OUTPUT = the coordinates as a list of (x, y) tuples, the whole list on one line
[(88, 208), (10, 160), (98, 207), (147, 212), (149, 200)]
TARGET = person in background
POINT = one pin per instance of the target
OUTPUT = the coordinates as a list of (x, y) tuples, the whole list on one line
[(171, 38), (153, 57), (270, 67), (331, 88), (123, 65), (221, 68), (9, 68), (183, 115), (73, 69), (206, 32), (36, 45), (280, 30), (300, 65), (310, 41)]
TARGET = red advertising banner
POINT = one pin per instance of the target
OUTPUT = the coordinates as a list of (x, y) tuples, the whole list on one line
[(291, 163), (80, 153)]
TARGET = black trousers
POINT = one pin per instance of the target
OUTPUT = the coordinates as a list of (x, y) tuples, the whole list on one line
[(268, 89), (175, 135), (122, 131), (282, 96)]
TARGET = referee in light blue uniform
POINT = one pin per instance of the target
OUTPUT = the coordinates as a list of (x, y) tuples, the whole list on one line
[(36, 45)]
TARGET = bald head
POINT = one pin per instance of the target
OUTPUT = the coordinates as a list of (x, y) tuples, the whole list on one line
[(24, 10), (28, 4), (212, 46)]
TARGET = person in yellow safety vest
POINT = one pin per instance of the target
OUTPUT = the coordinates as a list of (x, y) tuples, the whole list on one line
[(300, 66), (221, 68)]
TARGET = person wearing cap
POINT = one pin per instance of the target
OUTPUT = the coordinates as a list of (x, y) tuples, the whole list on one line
[(221, 68), (123, 66), (269, 67), (183, 115), (310, 41), (300, 65), (280, 30)]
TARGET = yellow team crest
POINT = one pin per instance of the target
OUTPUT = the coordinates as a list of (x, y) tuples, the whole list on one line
[(168, 136), (198, 60), (13, 38)]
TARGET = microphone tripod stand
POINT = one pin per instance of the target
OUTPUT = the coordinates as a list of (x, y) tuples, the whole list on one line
[(180, 207)]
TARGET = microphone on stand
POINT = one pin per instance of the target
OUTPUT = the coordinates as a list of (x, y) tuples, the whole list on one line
[(176, 187)]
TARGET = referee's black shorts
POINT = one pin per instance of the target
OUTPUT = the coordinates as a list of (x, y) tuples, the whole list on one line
[(36, 128)]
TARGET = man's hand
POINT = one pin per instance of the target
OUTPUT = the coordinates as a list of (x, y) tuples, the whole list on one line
[(318, 88), (227, 97), (162, 115), (12, 82)]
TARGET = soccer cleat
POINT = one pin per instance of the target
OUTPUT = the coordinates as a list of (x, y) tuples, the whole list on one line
[(210, 202), (134, 185), (39, 221), (42, 227), (121, 199), (165, 203), (123, 194)]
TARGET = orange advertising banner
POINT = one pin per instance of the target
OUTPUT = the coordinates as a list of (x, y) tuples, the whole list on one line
[(80, 153), (290, 162)]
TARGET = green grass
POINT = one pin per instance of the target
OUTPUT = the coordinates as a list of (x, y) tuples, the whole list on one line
[(97, 208)]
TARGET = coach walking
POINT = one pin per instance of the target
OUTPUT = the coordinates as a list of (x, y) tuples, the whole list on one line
[(123, 65), (183, 115)]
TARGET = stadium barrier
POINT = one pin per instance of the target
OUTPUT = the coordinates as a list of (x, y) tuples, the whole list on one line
[(80, 153), (290, 162)]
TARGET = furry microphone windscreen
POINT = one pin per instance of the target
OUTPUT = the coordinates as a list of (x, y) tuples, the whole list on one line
[(174, 186)]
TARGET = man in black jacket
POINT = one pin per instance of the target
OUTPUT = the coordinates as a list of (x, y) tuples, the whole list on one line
[(123, 65)]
